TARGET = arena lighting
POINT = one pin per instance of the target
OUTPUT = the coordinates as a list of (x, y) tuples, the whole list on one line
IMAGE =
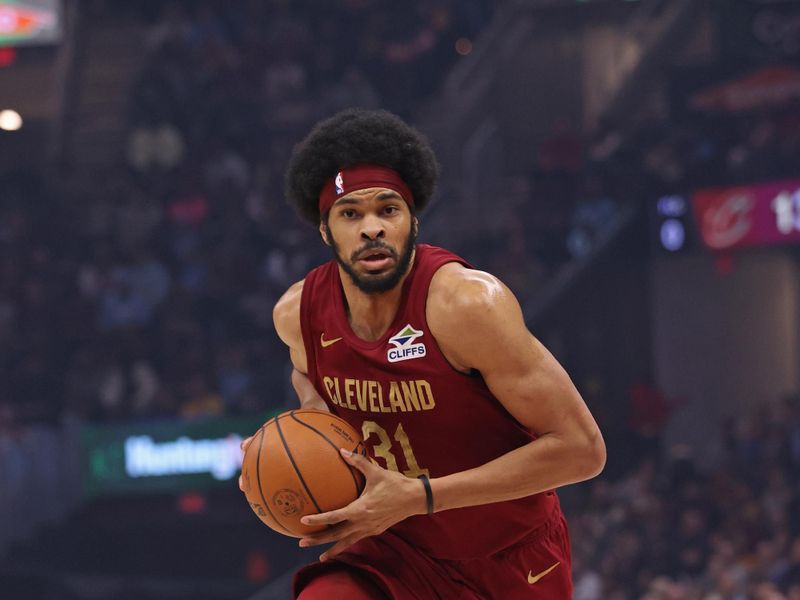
[(10, 120), (673, 235), (192, 503), (463, 46), (7, 56)]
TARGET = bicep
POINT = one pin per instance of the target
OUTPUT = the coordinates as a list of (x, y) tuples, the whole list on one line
[(487, 332), (531, 384), (286, 316)]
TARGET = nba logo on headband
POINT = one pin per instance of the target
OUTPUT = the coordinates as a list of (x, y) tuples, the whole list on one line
[(339, 183), (361, 177)]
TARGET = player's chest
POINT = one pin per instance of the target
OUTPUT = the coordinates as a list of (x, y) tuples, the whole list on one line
[(403, 350)]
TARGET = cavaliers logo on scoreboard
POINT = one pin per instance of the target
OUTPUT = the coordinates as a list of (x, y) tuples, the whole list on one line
[(404, 346)]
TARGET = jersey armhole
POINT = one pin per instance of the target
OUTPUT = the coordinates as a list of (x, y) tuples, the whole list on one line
[(305, 326)]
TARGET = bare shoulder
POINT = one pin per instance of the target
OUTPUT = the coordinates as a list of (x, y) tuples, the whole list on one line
[(470, 311), (286, 316), (457, 291)]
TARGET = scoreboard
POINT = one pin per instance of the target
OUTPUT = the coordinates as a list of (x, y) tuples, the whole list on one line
[(729, 218)]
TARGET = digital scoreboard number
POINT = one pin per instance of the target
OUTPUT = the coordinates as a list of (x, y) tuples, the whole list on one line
[(722, 219), (786, 207)]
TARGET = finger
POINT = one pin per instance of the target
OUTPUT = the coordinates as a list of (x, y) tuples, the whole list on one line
[(241, 487), (334, 534), (362, 463), (339, 547), (327, 518), (246, 443)]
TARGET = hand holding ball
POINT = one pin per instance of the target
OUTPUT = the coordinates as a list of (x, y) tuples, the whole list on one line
[(293, 468)]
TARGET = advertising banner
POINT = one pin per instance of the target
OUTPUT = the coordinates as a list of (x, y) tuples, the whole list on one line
[(164, 456)]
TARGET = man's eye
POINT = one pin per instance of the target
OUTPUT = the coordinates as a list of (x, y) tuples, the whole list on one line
[(348, 213), (390, 209)]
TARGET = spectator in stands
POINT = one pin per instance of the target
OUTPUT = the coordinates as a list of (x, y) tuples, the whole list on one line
[(155, 147), (173, 25), (197, 398), (352, 90), (562, 152), (134, 290)]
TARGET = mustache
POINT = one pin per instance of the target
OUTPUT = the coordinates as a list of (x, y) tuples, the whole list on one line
[(373, 245)]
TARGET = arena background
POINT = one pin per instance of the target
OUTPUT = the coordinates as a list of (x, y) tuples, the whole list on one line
[(631, 169)]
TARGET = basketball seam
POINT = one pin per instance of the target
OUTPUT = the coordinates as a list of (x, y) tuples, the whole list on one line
[(258, 479), (294, 464), (327, 439)]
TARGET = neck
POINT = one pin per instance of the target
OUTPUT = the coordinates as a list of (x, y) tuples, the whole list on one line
[(371, 314)]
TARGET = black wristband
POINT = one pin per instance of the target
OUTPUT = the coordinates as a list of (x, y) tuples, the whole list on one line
[(428, 492)]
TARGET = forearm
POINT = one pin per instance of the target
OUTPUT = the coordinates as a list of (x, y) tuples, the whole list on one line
[(544, 464)]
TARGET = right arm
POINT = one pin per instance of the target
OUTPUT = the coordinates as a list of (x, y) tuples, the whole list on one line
[(286, 316)]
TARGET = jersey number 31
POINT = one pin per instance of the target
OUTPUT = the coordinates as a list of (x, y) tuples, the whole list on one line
[(384, 448)]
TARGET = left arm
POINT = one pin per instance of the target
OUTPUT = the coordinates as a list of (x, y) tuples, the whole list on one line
[(478, 324)]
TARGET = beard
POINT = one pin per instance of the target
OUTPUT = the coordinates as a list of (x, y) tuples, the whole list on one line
[(377, 283)]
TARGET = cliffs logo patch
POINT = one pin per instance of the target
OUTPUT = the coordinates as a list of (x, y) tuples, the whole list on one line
[(404, 346)]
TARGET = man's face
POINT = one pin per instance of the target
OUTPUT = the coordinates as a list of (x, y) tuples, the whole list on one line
[(372, 233)]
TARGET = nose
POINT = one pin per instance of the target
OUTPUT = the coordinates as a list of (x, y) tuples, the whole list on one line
[(372, 228)]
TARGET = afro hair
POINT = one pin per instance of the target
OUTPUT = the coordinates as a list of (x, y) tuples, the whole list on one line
[(358, 136)]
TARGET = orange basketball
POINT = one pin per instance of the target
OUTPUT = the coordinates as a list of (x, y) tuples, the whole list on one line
[(293, 468)]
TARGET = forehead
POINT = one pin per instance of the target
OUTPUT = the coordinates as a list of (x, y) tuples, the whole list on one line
[(367, 194)]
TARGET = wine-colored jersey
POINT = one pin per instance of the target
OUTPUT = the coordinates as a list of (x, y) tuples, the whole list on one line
[(416, 412)]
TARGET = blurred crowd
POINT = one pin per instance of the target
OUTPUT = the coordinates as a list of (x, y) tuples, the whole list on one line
[(581, 185), (684, 151), (668, 531), (147, 290)]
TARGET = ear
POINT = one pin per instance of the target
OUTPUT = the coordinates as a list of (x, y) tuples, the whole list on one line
[(323, 232)]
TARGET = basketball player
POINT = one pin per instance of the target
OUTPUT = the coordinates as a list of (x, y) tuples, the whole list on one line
[(469, 421)]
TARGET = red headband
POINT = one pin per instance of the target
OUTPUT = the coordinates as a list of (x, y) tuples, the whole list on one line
[(360, 177)]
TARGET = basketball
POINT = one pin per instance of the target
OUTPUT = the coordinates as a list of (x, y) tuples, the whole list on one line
[(293, 468)]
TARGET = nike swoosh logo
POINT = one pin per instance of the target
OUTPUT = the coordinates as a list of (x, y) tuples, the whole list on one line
[(534, 578), (325, 343)]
